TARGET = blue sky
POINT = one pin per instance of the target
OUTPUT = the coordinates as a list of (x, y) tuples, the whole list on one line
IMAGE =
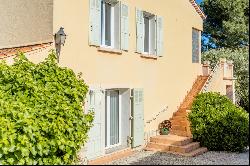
[(198, 1)]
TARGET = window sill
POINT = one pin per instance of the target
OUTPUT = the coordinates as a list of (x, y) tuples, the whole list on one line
[(110, 50), (147, 56)]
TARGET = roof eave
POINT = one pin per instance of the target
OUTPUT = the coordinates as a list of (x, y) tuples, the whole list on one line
[(198, 9)]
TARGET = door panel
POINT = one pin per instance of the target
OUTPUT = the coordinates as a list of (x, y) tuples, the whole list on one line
[(125, 123), (138, 117), (96, 145)]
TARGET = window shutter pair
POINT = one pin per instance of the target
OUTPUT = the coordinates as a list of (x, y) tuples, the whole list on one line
[(95, 24), (140, 33)]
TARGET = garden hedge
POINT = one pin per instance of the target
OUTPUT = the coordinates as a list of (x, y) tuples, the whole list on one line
[(41, 113), (218, 124)]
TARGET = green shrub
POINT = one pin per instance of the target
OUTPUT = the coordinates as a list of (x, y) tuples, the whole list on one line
[(218, 124), (41, 116)]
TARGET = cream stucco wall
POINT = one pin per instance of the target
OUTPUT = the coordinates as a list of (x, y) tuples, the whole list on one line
[(165, 81), (221, 78), (25, 22)]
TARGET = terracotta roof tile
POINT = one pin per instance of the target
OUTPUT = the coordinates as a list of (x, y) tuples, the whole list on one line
[(198, 9), (7, 52)]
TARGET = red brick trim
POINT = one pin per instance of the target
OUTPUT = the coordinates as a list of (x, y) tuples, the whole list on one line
[(8, 52)]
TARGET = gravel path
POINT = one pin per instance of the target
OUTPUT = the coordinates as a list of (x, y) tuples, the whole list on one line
[(209, 158)]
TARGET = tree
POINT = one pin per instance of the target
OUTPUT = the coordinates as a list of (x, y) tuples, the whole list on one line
[(226, 24), (240, 59)]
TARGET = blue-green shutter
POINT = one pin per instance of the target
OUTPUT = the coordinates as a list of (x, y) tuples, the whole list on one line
[(139, 31), (159, 36), (95, 22), (124, 27), (138, 117), (96, 136)]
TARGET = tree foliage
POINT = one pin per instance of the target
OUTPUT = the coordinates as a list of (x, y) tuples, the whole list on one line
[(218, 124), (41, 115), (227, 23), (240, 58)]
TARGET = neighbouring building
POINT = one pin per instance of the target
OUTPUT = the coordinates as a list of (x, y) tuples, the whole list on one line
[(139, 58)]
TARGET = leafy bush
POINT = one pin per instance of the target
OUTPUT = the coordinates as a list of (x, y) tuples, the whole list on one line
[(218, 124), (240, 58), (41, 116)]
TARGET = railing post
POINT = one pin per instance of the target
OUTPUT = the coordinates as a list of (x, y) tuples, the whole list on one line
[(223, 66), (206, 71), (230, 68)]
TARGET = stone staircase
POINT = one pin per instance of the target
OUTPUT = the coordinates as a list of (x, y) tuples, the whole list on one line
[(179, 120), (180, 141), (176, 145)]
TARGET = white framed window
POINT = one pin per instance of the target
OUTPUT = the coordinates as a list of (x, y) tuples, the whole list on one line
[(149, 34), (196, 46), (109, 24), (113, 119)]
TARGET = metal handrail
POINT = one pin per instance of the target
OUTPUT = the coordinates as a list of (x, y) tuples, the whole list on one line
[(210, 78), (158, 114)]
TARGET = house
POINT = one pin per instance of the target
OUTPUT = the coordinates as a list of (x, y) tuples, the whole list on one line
[(139, 59)]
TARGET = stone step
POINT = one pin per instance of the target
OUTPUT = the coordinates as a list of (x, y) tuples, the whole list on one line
[(179, 113), (112, 157), (186, 148), (181, 116), (189, 150), (179, 122), (196, 152), (179, 133), (158, 146), (181, 109), (179, 127), (171, 140)]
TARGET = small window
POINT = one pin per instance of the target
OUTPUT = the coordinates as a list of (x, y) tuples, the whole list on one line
[(196, 47), (110, 24), (149, 34)]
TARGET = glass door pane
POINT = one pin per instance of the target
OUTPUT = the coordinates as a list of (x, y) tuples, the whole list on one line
[(146, 35), (108, 24), (114, 117)]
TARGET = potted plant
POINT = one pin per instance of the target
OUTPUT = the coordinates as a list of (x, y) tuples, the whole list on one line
[(164, 127)]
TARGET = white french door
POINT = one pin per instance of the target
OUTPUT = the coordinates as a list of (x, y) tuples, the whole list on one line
[(113, 119)]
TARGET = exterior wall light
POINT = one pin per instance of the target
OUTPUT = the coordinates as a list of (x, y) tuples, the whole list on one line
[(60, 38)]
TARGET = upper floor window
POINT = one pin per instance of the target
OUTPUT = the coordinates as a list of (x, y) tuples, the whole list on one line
[(108, 24), (196, 46), (110, 27), (149, 33)]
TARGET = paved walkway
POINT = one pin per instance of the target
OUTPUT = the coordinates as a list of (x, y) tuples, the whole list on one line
[(209, 158)]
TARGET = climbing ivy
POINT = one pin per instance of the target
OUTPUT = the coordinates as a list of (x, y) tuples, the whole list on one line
[(41, 113)]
